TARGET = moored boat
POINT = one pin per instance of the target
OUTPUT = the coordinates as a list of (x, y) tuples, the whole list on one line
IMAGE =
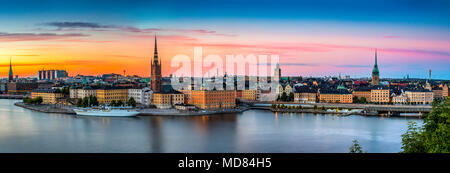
[(106, 112)]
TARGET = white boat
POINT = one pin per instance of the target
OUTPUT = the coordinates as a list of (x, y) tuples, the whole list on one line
[(108, 112)]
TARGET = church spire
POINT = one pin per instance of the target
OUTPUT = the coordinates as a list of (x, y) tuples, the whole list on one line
[(376, 64), (10, 75), (155, 57)]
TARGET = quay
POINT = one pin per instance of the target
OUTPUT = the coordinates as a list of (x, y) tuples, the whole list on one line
[(367, 109), (8, 96)]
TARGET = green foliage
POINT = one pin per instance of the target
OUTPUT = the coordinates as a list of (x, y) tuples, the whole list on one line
[(131, 102), (65, 91), (356, 148), (434, 135), (88, 101), (113, 103), (290, 97), (120, 103), (37, 100), (283, 97), (315, 107)]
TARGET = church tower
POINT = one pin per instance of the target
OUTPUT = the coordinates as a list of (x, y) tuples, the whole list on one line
[(277, 73), (156, 72), (10, 75), (375, 72)]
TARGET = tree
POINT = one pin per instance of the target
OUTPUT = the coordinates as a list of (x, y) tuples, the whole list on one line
[(356, 99), (132, 102), (113, 103), (363, 100), (283, 97), (291, 97), (80, 103), (120, 103), (434, 135), (356, 148), (315, 107)]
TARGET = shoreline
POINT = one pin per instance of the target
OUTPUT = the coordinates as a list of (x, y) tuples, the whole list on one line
[(142, 112), (175, 112), (46, 108)]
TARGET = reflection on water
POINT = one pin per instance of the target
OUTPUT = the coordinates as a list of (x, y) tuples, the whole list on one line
[(24, 130)]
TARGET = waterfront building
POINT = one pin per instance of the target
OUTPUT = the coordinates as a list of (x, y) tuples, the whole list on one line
[(107, 95), (380, 95), (141, 95), (168, 99), (49, 96), (213, 99), (362, 92), (284, 88), (21, 88), (305, 94), (156, 72), (400, 99), (419, 96), (440, 91), (375, 72), (335, 96), (52, 74), (10, 74), (82, 92), (250, 94)]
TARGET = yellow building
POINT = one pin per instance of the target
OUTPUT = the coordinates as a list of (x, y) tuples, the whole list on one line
[(342, 96), (167, 100), (380, 95), (213, 99), (305, 97), (361, 93), (246, 94), (106, 95), (48, 96), (419, 97)]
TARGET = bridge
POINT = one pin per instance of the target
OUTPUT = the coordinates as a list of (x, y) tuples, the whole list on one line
[(397, 109), (367, 108)]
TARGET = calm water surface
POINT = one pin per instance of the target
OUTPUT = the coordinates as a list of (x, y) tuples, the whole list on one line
[(23, 130)]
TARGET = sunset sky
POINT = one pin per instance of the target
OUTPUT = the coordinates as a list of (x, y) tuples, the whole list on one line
[(311, 38)]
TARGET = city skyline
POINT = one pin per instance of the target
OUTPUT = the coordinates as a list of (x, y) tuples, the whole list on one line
[(310, 42)]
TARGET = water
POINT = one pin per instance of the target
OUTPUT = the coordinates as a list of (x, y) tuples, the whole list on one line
[(23, 130)]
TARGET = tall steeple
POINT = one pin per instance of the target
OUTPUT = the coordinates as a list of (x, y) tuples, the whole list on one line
[(10, 75), (156, 83), (375, 71), (155, 57)]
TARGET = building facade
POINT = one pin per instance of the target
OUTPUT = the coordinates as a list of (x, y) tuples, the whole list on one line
[(213, 99), (107, 95), (82, 93), (380, 95), (141, 95), (362, 93), (52, 74), (419, 97), (19, 88), (305, 97), (250, 95), (167, 100), (341, 96), (48, 96)]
